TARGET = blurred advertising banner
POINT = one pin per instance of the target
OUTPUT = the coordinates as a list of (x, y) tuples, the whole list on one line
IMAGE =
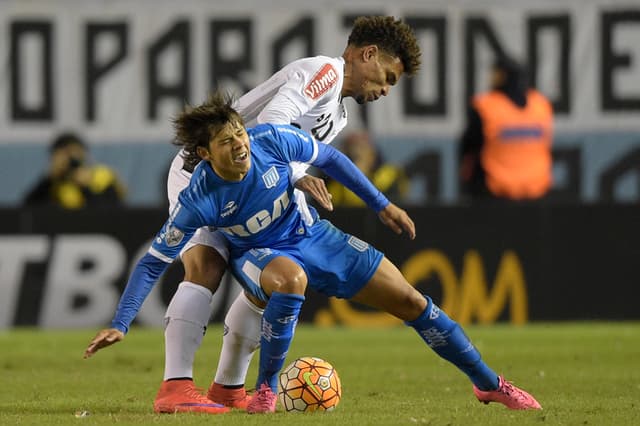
[(481, 264), (117, 70)]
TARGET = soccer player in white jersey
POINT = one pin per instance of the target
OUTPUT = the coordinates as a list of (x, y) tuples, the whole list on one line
[(307, 93), (243, 189)]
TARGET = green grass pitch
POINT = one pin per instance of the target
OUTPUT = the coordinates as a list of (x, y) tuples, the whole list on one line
[(582, 374)]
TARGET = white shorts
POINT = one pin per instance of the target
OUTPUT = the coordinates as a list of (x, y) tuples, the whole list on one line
[(177, 180)]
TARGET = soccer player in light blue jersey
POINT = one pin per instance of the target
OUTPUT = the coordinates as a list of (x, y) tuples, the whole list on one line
[(309, 93), (242, 188)]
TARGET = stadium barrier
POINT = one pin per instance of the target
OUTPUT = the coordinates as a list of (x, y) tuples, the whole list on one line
[(483, 264)]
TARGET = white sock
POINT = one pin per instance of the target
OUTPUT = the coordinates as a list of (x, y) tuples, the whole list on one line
[(242, 326), (185, 322)]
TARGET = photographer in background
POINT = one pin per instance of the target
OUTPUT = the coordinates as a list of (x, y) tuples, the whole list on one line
[(361, 149), (72, 182)]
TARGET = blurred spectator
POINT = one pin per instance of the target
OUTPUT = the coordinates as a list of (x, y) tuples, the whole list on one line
[(72, 181), (389, 179), (505, 151)]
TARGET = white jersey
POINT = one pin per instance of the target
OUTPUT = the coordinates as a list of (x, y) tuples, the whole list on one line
[(305, 93)]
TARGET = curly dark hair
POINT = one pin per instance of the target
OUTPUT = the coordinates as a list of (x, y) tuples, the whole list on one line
[(392, 36), (196, 126)]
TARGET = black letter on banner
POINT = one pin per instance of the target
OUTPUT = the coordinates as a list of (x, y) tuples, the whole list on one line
[(302, 30), (177, 35), (347, 22), (438, 26), (231, 68), (474, 29), (569, 159), (95, 70), (562, 26), (426, 165), (43, 31), (611, 60), (630, 163)]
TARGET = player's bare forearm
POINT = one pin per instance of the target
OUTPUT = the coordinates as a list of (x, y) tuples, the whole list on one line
[(317, 189), (398, 220), (104, 338)]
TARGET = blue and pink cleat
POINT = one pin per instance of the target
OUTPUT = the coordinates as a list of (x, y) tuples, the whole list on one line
[(508, 395), (263, 401)]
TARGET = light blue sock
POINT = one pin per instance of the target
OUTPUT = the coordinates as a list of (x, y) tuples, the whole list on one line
[(448, 340), (278, 325)]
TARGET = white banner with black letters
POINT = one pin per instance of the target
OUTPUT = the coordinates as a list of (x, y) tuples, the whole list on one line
[(118, 70)]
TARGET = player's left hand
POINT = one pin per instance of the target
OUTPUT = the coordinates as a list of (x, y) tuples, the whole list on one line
[(317, 189), (398, 220), (104, 338)]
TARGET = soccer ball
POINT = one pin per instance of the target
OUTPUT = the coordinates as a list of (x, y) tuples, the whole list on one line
[(309, 384)]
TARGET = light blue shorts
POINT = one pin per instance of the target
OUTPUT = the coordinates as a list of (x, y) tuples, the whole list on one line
[(336, 263)]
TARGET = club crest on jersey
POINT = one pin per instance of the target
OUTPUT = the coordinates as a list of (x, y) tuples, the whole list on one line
[(173, 236), (271, 177), (324, 79)]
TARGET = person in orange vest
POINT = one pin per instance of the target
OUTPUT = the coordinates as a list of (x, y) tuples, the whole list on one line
[(505, 150)]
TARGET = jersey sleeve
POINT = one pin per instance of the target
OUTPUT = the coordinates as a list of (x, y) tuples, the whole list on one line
[(290, 144), (307, 84), (166, 246), (142, 279), (182, 223), (339, 167), (287, 104)]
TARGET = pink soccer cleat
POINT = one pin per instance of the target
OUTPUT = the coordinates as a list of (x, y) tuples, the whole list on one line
[(234, 398), (263, 401), (509, 395)]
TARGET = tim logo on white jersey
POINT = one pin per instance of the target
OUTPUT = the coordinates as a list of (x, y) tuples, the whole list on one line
[(321, 82)]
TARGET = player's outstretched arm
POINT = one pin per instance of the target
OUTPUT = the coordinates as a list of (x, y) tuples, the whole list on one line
[(398, 220), (341, 168), (317, 189), (104, 338)]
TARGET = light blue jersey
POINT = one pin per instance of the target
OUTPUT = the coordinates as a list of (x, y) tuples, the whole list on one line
[(257, 212)]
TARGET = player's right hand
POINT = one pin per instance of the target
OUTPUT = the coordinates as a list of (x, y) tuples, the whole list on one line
[(317, 189), (104, 338), (398, 220)]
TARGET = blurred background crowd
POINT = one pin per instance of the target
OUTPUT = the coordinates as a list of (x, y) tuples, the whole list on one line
[(114, 78)]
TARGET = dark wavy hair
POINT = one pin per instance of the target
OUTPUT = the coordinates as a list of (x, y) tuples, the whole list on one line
[(392, 36), (196, 126)]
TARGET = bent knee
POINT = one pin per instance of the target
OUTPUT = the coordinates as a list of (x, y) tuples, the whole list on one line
[(295, 284), (414, 304), (284, 276), (203, 265)]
